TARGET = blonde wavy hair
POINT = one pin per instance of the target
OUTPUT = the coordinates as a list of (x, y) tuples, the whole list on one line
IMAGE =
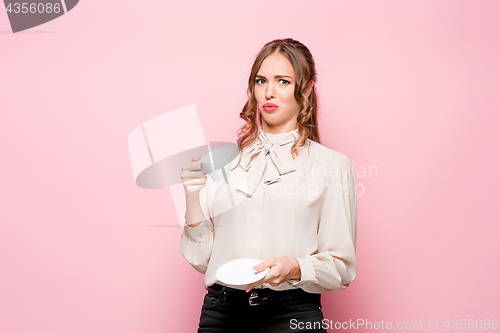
[(305, 71)]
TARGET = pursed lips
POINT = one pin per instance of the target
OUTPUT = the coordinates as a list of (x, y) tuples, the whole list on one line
[(269, 107)]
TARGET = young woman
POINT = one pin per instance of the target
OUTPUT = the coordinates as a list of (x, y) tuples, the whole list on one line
[(295, 211)]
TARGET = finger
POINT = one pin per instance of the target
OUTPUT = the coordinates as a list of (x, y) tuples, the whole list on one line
[(193, 166), (195, 181), (255, 284), (263, 265), (196, 174), (198, 180)]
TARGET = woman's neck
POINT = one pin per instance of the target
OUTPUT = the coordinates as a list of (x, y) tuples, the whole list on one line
[(277, 129)]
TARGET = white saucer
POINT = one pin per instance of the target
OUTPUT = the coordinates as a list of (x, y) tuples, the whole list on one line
[(240, 272)]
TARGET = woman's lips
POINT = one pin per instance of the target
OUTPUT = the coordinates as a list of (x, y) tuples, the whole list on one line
[(269, 107)]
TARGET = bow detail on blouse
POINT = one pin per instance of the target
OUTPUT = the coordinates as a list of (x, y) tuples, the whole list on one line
[(270, 156)]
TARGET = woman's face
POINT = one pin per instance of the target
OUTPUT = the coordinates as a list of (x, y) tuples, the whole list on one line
[(274, 92)]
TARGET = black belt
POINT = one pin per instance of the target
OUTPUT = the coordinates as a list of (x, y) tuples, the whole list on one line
[(256, 296)]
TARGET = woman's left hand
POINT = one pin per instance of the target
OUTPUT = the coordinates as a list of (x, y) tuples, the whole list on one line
[(282, 269)]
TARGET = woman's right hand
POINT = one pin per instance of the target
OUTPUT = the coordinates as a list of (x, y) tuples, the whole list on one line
[(192, 176)]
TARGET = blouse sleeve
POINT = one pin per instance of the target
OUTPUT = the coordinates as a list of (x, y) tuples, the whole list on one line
[(333, 267), (196, 242)]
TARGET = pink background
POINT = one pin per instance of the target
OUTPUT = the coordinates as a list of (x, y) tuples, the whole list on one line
[(410, 88)]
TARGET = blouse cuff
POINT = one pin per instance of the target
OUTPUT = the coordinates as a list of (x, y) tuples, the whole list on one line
[(308, 275), (198, 233)]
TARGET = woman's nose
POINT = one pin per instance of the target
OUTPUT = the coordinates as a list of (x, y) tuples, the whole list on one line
[(270, 91)]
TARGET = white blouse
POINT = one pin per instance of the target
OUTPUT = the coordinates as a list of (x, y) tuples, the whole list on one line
[(277, 206)]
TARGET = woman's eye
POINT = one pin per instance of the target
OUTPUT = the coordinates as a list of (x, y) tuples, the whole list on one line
[(260, 81), (284, 82)]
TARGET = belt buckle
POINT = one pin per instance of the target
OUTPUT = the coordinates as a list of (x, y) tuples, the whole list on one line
[(252, 299)]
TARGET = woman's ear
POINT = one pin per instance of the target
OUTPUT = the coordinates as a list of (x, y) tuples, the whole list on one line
[(308, 88)]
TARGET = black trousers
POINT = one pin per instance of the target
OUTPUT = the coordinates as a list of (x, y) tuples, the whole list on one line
[(231, 312)]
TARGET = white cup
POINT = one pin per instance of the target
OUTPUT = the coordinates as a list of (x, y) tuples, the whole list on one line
[(217, 163)]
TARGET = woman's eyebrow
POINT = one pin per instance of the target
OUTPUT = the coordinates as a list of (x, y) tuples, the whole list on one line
[(276, 76)]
